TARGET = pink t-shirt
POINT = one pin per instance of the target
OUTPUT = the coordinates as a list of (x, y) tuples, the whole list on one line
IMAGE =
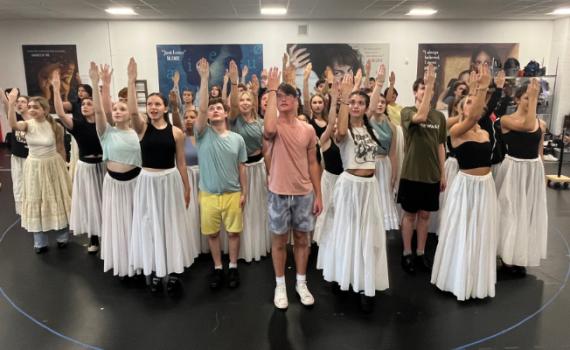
[(289, 172)]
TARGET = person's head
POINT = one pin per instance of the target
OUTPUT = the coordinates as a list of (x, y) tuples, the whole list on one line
[(393, 97), (246, 101), (123, 95), (190, 116), (22, 104), (463, 107), (382, 104), (317, 103), (217, 111), (302, 117), (485, 54), (84, 91), (320, 85), (419, 88), (287, 98), (215, 91), (87, 107), (157, 106), (371, 83), (464, 76), (358, 103), (453, 109), (241, 88), (187, 96), (460, 88), (38, 107), (120, 112), (263, 103), (521, 97)]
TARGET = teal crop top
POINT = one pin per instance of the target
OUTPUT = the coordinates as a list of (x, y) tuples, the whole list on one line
[(384, 133), (121, 146)]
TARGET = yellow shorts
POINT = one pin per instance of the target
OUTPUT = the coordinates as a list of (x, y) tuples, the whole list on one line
[(218, 208)]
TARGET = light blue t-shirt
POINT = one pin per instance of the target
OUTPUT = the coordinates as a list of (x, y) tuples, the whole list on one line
[(219, 158), (121, 146)]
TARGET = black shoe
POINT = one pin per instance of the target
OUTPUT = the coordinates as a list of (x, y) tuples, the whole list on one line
[(522, 271), (62, 245), (41, 250), (233, 277), (423, 263), (155, 284), (366, 303), (408, 264), (173, 285), (216, 279), (335, 287), (93, 245)]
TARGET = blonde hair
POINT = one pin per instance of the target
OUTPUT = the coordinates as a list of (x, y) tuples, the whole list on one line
[(253, 109), (43, 102), (460, 106)]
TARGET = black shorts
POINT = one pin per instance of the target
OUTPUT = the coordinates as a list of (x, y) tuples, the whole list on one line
[(415, 196)]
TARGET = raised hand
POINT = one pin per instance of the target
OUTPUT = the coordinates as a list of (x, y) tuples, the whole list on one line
[(500, 79), (484, 76), (358, 77), (132, 70), (244, 71), (335, 90), (285, 59), (94, 74), (233, 72), (392, 78), (298, 57), (307, 71), (173, 99), (430, 75), (3, 97), (105, 74), (226, 77), (329, 75), (381, 74), (290, 74), (533, 88), (13, 96), (346, 86), (368, 67), (203, 68), (55, 80), (254, 84), (176, 78), (273, 78)]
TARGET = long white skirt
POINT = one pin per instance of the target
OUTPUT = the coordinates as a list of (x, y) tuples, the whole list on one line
[(387, 201), (193, 210), (255, 240), (16, 167), (86, 199), (451, 169), (465, 258), (116, 229), (328, 181), (524, 219), (160, 241), (354, 247)]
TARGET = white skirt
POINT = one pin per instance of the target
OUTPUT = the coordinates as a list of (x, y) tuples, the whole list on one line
[(193, 210), (354, 247), (16, 167), (387, 201), (328, 181), (400, 142), (255, 240), (160, 241), (524, 219), (86, 199), (451, 169), (117, 220), (465, 258)]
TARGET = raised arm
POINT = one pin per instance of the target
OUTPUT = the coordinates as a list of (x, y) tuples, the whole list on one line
[(4, 100), (234, 94), (244, 72), (100, 120), (342, 123), (203, 68), (326, 135), (270, 121), (357, 80), (429, 79), (225, 86), (105, 74), (174, 109), (390, 92), (255, 91), (528, 122), (306, 92), (176, 86), (11, 100), (367, 70), (137, 120), (380, 76), (66, 119), (179, 138)]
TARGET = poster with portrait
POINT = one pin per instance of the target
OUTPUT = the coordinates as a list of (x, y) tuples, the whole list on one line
[(342, 58), (453, 62), (183, 58), (40, 61)]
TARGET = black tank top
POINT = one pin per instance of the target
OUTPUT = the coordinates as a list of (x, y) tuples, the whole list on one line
[(85, 134), (472, 154), (450, 149), (18, 145), (318, 129), (524, 145), (333, 162), (158, 147)]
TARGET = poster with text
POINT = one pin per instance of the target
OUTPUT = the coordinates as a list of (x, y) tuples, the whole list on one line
[(342, 58), (453, 62), (40, 61), (183, 58)]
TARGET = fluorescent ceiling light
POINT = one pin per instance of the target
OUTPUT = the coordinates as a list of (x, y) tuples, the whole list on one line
[(273, 11), (421, 12), (561, 11), (124, 11)]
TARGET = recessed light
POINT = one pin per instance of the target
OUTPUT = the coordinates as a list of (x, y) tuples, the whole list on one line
[(273, 11), (561, 11), (421, 12), (123, 11)]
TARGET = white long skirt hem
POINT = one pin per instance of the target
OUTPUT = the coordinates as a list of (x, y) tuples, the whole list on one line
[(86, 199), (386, 194)]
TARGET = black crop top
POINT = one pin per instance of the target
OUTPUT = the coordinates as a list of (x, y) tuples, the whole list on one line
[(333, 162), (85, 134), (523, 145), (319, 130), (473, 154), (158, 147)]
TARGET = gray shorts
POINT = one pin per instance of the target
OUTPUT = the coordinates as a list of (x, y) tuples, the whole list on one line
[(290, 212)]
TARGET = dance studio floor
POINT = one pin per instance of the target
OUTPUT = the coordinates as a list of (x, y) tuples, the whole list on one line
[(63, 300)]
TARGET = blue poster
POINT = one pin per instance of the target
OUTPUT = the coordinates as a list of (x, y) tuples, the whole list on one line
[(183, 58)]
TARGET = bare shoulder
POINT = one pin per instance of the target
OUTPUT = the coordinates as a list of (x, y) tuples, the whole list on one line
[(177, 133)]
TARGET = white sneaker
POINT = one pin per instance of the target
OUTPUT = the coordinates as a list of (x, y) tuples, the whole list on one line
[(92, 249), (280, 298), (303, 291), (550, 158)]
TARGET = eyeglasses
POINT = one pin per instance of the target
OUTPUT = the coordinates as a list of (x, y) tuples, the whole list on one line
[(281, 96)]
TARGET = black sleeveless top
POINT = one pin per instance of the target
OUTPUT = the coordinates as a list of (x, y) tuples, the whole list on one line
[(450, 149), (158, 147), (473, 154), (333, 162), (18, 145), (85, 134), (319, 130), (523, 145)]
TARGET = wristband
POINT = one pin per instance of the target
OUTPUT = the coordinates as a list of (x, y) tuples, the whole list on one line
[(272, 90)]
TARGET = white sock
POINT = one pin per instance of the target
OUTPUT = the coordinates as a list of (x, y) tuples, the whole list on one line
[(301, 278), (233, 265), (280, 280), (218, 267), (419, 252)]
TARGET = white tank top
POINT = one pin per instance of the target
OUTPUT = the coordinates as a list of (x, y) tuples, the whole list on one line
[(40, 139)]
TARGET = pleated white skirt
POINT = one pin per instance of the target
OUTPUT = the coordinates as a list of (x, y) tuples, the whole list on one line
[(117, 221), (524, 219), (465, 258), (86, 199), (328, 181), (451, 169), (160, 241), (255, 240), (16, 169), (354, 247), (193, 211), (386, 194)]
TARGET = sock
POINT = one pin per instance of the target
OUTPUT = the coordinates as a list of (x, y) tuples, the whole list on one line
[(419, 252), (233, 265), (280, 280), (301, 278), (219, 267), (407, 252)]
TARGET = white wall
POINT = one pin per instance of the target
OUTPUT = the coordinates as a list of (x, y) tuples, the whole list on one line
[(561, 51), (114, 42)]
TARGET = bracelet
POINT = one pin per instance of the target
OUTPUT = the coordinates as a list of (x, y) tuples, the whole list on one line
[(272, 90), (235, 83)]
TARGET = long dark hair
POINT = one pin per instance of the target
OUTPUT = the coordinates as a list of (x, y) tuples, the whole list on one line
[(365, 120)]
